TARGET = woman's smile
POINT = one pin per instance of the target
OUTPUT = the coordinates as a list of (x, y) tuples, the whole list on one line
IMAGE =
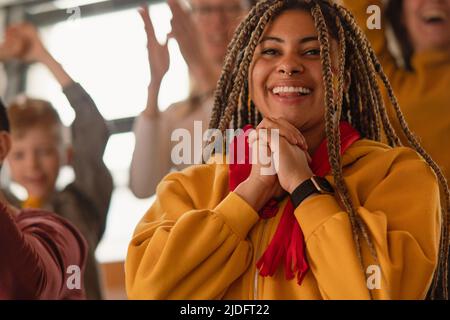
[(289, 93)]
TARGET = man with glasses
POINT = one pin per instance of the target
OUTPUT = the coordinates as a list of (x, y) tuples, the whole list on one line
[(203, 29)]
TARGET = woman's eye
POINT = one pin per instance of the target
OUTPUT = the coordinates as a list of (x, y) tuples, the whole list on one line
[(313, 52), (269, 52)]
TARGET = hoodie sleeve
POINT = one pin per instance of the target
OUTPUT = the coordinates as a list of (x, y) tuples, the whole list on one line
[(40, 251), (93, 180), (397, 198), (192, 243)]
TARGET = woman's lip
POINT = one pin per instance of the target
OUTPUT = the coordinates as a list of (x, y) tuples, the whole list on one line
[(288, 84), (289, 100)]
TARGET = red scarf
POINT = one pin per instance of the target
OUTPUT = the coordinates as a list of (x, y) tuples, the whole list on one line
[(287, 244)]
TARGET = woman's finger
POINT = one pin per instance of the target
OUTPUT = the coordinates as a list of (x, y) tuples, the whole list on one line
[(261, 152), (287, 132), (297, 132), (268, 124)]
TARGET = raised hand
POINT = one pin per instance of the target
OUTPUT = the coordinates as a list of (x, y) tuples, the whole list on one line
[(33, 49), (184, 31), (22, 42), (158, 55), (12, 47)]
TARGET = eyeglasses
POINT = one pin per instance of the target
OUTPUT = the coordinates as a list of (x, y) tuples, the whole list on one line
[(206, 11)]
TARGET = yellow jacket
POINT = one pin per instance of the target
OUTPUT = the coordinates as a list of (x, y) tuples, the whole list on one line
[(199, 241), (423, 94)]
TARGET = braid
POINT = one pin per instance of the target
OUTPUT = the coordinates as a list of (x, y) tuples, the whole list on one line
[(332, 116), (442, 270)]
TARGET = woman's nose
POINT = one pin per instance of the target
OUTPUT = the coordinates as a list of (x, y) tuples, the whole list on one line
[(290, 67)]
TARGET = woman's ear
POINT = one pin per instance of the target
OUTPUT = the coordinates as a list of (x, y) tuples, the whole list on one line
[(5, 145)]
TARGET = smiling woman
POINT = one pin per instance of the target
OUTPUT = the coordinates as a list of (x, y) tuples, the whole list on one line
[(340, 205), (286, 74)]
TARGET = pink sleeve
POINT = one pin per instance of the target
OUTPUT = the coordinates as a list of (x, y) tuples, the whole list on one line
[(39, 251)]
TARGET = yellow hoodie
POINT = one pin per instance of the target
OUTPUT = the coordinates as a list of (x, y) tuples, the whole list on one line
[(200, 241), (423, 94)]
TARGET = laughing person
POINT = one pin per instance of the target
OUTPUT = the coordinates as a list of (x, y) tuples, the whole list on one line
[(422, 79), (341, 203)]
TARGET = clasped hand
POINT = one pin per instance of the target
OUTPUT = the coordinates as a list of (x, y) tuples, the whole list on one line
[(288, 166)]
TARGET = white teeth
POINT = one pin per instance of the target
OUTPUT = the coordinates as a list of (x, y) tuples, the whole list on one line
[(301, 90)]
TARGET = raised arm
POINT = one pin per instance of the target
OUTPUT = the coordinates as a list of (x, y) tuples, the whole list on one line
[(151, 157), (151, 160), (37, 250), (89, 138)]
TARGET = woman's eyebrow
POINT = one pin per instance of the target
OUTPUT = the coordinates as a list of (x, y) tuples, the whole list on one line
[(270, 38), (280, 40), (309, 39)]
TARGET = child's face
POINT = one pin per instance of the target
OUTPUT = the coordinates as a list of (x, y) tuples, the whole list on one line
[(35, 160)]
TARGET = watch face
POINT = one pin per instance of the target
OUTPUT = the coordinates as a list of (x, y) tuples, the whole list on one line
[(322, 185)]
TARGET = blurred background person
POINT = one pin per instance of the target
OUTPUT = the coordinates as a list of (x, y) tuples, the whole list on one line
[(420, 73), (38, 151), (203, 33), (39, 248)]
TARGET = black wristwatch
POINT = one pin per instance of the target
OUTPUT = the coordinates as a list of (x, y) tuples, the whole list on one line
[(313, 185)]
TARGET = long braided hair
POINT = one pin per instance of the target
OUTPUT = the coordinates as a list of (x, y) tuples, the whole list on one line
[(361, 104)]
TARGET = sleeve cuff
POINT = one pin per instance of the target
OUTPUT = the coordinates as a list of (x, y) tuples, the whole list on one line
[(315, 211), (238, 214)]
